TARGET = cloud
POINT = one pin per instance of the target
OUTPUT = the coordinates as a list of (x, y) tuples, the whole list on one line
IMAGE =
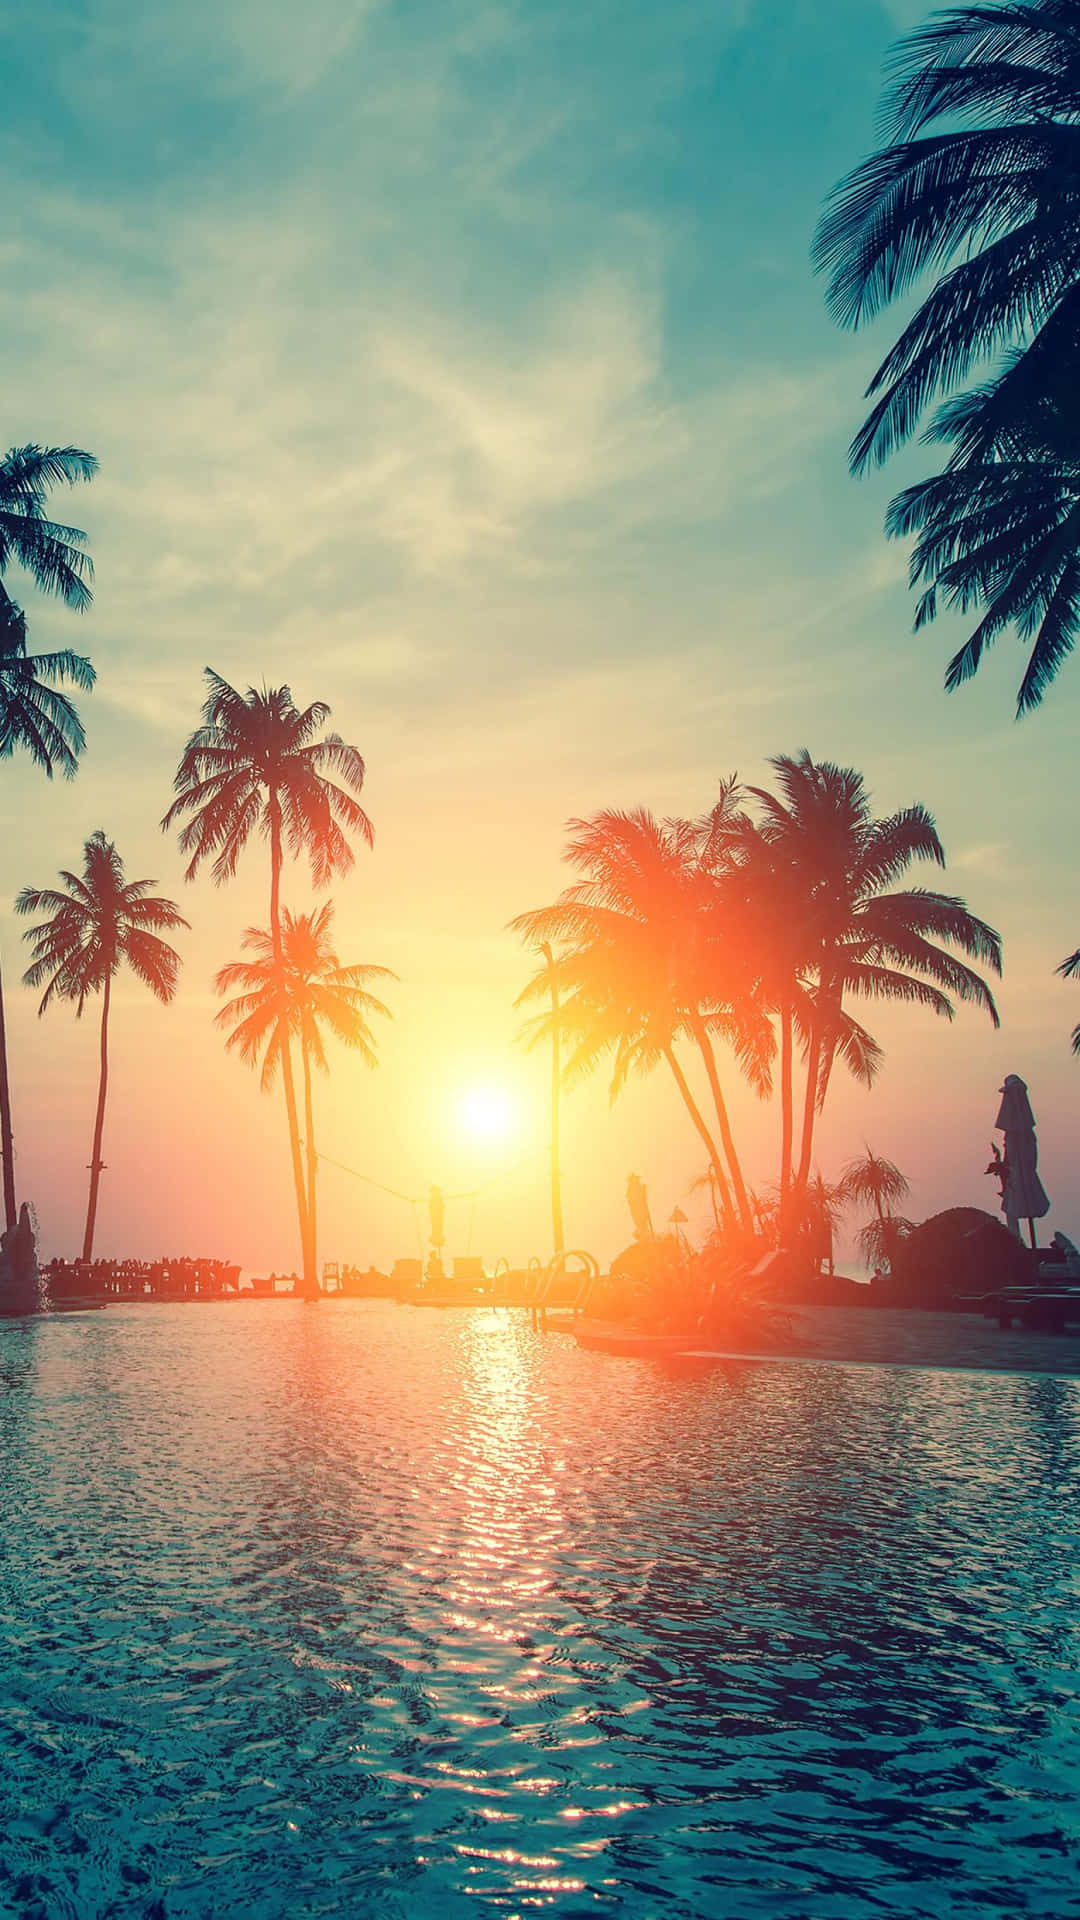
[(253, 439), (992, 857), (212, 46)]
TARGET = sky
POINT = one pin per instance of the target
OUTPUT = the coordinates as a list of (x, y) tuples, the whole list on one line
[(463, 366)]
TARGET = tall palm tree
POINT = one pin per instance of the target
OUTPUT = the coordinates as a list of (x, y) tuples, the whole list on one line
[(646, 961), (308, 990), (612, 1004), (97, 922), (34, 716), (979, 186), (763, 892), (256, 763), (861, 935)]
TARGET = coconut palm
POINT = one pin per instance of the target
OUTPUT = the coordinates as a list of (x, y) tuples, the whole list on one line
[(645, 960), (34, 716), (998, 530), (610, 1004), (98, 921), (309, 990), (1070, 970), (257, 764), (767, 895), (860, 935), (980, 187), (52, 554)]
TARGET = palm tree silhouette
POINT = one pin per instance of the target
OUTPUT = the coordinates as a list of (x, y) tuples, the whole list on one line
[(860, 936), (97, 922), (1070, 970), (34, 716), (308, 990), (871, 1181), (256, 763), (645, 960), (52, 554), (979, 185)]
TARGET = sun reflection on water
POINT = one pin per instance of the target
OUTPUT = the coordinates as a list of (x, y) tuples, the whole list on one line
[(369, 1609)]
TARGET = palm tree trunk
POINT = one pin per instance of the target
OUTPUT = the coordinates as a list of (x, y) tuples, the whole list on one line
[(698, 1119), (814, 1051), (96, 1162), (722, 1121), (312, 1157), (307, 1250), (818, 1069), (557, 1232), (7, 1143), (787, 1098)]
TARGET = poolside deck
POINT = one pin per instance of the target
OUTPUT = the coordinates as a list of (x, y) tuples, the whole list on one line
[(896, 1337)]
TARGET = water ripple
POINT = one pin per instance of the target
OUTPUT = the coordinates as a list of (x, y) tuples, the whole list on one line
[(361, 1610)]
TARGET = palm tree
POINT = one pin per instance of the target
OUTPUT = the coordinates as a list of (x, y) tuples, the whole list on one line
[(980, 186), (859, 935), (33, 715), (310, 989), (608, 1003), (646, 961), (97, 921), (256, 763), (871, 1181), (52, 554), (1069, 970)]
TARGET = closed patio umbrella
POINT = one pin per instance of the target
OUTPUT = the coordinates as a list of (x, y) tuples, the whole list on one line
[(1023, 1195)]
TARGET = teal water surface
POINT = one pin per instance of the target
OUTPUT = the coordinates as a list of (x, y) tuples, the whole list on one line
[(358, 1609)]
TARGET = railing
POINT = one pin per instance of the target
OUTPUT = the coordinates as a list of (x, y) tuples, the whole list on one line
[(542, 1291)]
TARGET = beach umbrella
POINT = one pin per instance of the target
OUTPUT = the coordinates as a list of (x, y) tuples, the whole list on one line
[(1023, 1196), (638, 1201)]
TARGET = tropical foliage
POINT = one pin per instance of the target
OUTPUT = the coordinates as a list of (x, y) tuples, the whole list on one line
[(745, 935), (97, 922), (979, 188), (35, 717), (872, 1181), (309, 992), (52, 554), (257, 764), (646, 961), (1070, 970)]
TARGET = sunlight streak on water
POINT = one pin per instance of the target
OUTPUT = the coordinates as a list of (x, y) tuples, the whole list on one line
[(365, 1609)]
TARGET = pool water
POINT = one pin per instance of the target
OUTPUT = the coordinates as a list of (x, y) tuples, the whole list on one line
[(359, 1609)]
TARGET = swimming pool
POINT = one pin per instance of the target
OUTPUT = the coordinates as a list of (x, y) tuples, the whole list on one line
[(361, 1609)]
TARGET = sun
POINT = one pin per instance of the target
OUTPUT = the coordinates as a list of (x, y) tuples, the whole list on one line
[(486, 1113)]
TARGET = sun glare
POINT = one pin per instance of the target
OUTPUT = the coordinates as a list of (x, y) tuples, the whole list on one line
[(486, 1113)]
